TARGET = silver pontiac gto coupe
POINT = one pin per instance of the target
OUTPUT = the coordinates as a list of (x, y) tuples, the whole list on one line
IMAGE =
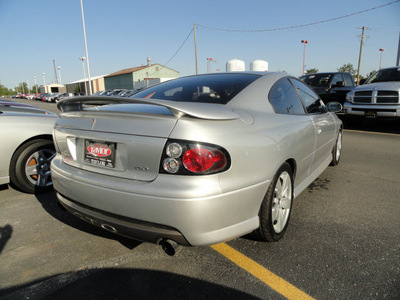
[(196, 160)]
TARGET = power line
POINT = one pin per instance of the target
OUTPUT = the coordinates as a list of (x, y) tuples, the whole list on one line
[(184, 42), (302, 25)]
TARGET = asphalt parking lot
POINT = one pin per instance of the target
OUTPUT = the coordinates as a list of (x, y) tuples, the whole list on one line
[(343, 242)]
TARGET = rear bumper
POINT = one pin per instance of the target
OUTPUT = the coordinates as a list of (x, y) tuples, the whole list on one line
[(144, 231), (375, 110), (190, 210)]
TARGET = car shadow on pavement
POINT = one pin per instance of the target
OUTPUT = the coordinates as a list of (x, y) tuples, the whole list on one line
[(113, 283), (50, 204)]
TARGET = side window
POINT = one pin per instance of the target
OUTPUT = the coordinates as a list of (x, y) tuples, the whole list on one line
[(348, 79), (284, 99), (337, 78), (312, 102)]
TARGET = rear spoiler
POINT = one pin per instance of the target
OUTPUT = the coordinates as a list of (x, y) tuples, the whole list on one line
[(207, 111)]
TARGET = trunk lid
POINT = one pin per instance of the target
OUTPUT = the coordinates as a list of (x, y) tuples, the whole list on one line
[(123, 138)]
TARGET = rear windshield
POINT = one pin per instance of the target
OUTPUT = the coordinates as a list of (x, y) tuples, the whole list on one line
[(317, 80), (383, 75), (209, 88)]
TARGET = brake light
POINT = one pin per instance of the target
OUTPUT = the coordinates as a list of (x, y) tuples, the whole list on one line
[(201, 160), (191, 158)]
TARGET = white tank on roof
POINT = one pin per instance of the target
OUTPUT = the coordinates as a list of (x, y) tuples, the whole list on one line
[(259, 65), (235, 65)]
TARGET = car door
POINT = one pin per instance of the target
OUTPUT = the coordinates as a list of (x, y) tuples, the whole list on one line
[(324, 123), (299, 128)]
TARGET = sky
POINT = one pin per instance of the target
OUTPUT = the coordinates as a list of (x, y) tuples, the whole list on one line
[(124, 33)]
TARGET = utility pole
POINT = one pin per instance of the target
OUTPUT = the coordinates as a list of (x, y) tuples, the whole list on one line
[(398, 53), (195, 48), (359, 57)]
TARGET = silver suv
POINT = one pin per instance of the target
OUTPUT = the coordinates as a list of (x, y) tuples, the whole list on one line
[(377, 97)]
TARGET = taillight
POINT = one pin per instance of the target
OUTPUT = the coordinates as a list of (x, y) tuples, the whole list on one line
[(192, 158)]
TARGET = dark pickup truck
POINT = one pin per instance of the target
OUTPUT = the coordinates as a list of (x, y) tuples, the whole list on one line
[(330, 86)]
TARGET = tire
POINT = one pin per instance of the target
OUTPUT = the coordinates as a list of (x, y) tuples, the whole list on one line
[(30, 166), (337, 150), (276, 206)]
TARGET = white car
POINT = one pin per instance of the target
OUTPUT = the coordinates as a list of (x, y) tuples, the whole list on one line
[(26, 146)]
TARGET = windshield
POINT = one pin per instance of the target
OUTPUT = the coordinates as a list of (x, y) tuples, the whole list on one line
[(392, 74), (210, 88), (317, 80)]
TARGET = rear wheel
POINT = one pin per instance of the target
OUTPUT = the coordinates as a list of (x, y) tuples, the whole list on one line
[(276, 206), (30, 166)]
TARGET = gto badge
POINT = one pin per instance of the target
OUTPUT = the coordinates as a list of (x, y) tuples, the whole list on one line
[(142, 168)]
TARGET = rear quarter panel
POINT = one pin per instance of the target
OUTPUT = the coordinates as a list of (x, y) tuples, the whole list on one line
[(256, 150)]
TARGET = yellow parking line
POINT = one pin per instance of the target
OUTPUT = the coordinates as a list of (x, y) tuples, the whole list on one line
[(275, 282)]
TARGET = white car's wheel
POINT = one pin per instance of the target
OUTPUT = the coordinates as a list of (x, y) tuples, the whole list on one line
[(30, 166), (337, 150), (276, 207)]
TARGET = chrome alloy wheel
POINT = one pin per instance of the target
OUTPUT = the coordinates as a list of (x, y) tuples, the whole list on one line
[(281, 202), (37, 167)]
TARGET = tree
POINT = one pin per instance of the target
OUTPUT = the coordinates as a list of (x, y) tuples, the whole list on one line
[(77, 89), (311, 71), (34, 89), (348, 68), (5, 91)]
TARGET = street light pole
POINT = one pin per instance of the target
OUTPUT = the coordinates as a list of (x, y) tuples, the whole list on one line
[(304, 53), (55, 72), (59, 73), (209, 60), (34, 77), (86, 49), (44, 82), (380, 60), (84, 73)]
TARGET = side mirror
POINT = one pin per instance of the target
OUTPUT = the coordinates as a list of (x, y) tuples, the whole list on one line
[(334, 107), (362, 81)]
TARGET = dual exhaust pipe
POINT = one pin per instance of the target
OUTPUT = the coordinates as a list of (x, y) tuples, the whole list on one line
[(170, 247)]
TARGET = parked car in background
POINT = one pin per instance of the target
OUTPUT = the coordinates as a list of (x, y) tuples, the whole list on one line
[(377, 97), (53, 97), (196, 160), (66, 95), (102, 93), (132, 92), (330, 86), (26, 146), (43, 96), (39, 96), (116, 92)]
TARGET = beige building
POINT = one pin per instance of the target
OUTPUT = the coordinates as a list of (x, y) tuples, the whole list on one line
[(138, 77)]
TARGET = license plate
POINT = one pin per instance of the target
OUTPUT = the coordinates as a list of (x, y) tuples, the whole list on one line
[(370, 114), (100, 153)]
